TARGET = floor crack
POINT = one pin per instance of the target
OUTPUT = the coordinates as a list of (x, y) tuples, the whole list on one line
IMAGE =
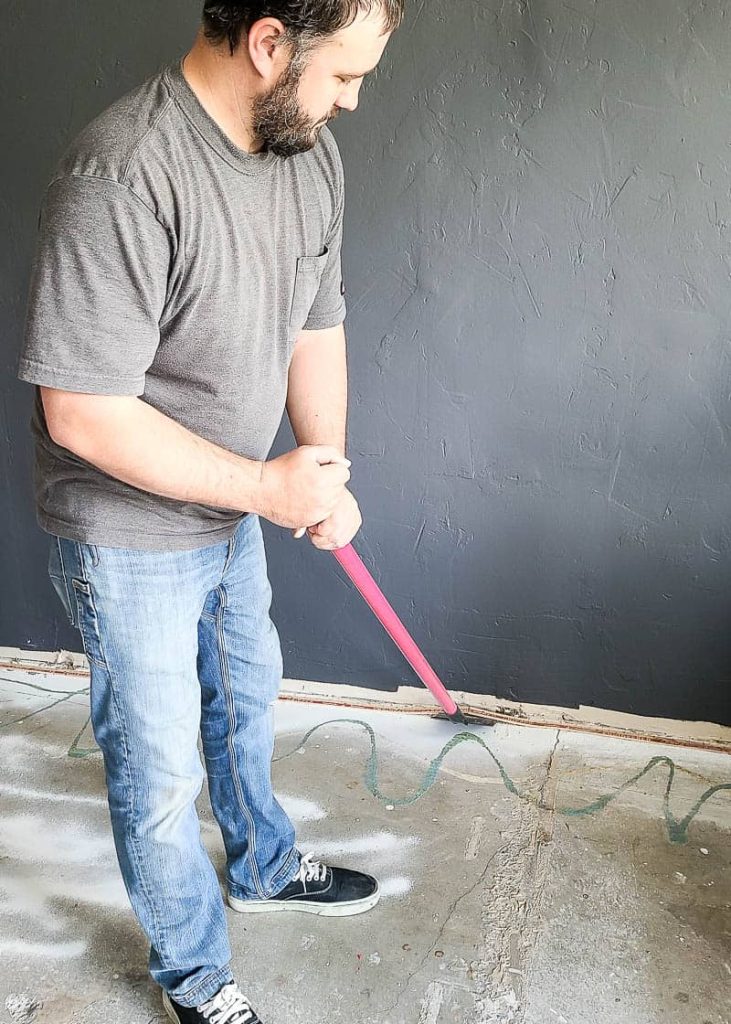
[(549, 773), (450, 913)]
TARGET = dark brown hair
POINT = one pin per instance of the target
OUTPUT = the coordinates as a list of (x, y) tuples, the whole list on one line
[(305, 21)]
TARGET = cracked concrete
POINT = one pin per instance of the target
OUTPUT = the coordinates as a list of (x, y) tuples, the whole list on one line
[(515, 890)]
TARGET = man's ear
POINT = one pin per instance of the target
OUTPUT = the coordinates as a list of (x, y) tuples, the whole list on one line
[(267, 51)]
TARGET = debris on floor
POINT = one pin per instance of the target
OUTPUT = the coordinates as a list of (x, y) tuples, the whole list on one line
[(529, 876)]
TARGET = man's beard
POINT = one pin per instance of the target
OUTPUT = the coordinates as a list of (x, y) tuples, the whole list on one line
[(279, 124)]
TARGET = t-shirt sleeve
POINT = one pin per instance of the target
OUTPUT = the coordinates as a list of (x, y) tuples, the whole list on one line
[(97, 290), (328, 308)]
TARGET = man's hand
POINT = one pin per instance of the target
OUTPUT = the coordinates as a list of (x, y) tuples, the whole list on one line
[(304, 486), (339, 528)]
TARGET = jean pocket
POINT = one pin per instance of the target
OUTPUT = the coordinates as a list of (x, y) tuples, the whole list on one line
[(306, 284), (58, 579), (88, 622)]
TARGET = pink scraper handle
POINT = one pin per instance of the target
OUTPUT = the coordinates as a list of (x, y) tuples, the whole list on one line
[(372, 594)]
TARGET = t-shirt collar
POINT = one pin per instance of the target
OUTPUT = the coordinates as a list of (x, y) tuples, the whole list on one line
[(211, 131)]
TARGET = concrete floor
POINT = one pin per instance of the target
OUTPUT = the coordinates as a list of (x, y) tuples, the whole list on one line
[(501, 904)]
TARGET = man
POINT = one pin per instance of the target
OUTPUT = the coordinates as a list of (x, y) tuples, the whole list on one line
[(187, 288)]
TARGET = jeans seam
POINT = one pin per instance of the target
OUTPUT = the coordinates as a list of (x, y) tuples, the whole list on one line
[(284, 870), (82, 564), (220, 972), (233, 763), (70, 597), (229, 555), (102, 662), (159, 934)]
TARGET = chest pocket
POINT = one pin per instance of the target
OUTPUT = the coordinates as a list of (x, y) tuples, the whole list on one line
[(306, 283)]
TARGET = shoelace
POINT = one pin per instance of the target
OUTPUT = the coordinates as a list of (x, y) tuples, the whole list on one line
[(311, 870), (228, 1006)]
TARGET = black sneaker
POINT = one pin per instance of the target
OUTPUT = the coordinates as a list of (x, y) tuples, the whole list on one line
[(228, 1006), (318, 889)]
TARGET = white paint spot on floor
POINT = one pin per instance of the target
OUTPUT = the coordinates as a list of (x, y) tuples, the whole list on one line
[(16, 748), (32, 839), (299, 809), (106, 892), (395, 886), (25, 793), (42, 950), (26, 898), (376, 842), (431, 1005)]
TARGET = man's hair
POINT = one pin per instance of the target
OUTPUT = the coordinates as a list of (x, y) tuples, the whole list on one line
[(306, 22)]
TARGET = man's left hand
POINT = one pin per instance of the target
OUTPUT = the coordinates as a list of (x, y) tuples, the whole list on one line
[(339, 528)]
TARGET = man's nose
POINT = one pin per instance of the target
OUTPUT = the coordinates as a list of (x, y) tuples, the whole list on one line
[(348, 99)]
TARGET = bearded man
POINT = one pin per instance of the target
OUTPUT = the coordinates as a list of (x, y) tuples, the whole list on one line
[(187, 289)]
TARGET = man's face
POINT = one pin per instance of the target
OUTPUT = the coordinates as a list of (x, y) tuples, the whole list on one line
[(316, 86)]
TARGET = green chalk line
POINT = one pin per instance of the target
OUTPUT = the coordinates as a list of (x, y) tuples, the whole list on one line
[(677, 828)]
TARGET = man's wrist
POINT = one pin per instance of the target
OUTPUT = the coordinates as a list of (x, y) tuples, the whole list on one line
[(317, 441), (252, 486)]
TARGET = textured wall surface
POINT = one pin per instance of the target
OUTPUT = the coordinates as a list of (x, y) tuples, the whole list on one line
[(538, 271)]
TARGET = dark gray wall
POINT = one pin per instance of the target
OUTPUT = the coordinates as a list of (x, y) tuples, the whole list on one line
[(538, 270)]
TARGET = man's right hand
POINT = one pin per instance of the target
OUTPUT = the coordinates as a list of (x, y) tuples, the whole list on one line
[(302, 488)]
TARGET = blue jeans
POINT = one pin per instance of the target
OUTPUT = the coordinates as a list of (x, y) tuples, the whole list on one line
[(181, 642)]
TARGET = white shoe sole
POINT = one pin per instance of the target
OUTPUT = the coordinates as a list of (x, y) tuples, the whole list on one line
[(169, 1008), (344, 909)]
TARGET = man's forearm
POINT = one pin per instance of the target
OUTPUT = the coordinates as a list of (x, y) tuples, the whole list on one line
[(317, 394), (130, 440)]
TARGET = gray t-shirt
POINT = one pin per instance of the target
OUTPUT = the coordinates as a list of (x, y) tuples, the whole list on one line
[(174, 266)]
